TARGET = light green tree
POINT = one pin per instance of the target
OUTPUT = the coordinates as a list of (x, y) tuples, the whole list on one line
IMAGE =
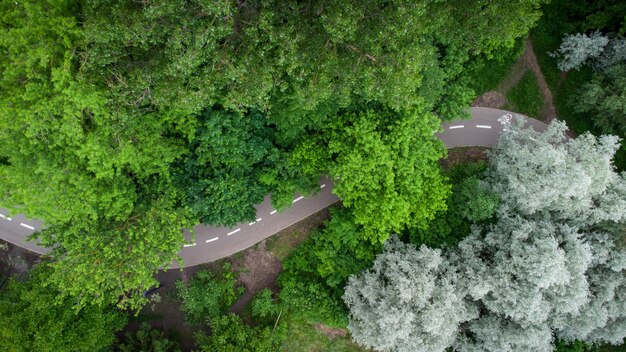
[(113, 262), (386, 169)]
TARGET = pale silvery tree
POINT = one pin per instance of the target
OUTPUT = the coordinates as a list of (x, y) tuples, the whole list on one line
[(613, 54), (491, 333), (526, 271), (603, 319), (549, 174), (406, 302), (553, 259), (550, 265), (576, 49)]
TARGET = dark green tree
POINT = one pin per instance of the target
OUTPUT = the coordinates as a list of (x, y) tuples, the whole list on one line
[(470, 202), (207, 295), (221, 174), (230, 334), (147, 339)]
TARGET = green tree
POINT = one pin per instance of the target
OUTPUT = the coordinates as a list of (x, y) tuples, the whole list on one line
[(333, 253), (603, 99), (263, 305), (221, 175), (32, 318), (114, 261), (470, 201), (147, 339), (386, 169), (100, 102), (230, 334), (207, 295), (92, 174)]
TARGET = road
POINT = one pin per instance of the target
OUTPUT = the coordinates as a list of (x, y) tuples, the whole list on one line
[(212, 243)]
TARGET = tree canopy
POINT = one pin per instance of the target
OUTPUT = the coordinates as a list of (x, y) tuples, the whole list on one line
[(123, 122), (552, 264), (33, 319)]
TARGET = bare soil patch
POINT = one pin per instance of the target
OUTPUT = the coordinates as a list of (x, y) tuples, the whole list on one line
[(464, 155), (15, 260), (332, 333), (491, 99), (260, 269)]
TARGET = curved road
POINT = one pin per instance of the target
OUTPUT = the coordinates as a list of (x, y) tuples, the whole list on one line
[(212, 243)]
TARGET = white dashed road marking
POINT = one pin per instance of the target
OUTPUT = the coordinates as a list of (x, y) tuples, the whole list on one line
[(27, 226), (457, 126), (214, 239), (297, 199), (189, 244), (482, 126), (273, 212), (233, 232), (322, 186), (3, 216), (255, 221)]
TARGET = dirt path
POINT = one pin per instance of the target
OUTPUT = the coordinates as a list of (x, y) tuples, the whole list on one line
[(548, 111), (528, 61), (261, 270)]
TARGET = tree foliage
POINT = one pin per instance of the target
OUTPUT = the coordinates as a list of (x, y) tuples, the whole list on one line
[(263, 305), (123, 120), (548, 173), (221, 175), (147, 339), (470, 201), (206, 296), (114, 261), (552, 264), (603, 100), (33, 319), (577, 49), (569, 204), (406, 301), (230, 334), (387, 171), (314, 274)]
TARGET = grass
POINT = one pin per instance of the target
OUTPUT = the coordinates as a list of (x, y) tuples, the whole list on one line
[(525, 97), (281, 245), (486, 74), (286, 241), (305, 338), (610, 348)]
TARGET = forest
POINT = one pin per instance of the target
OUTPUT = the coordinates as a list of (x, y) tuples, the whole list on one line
[(123, 122)]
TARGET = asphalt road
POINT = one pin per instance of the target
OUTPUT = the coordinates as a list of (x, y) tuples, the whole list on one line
[(212, 243)]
